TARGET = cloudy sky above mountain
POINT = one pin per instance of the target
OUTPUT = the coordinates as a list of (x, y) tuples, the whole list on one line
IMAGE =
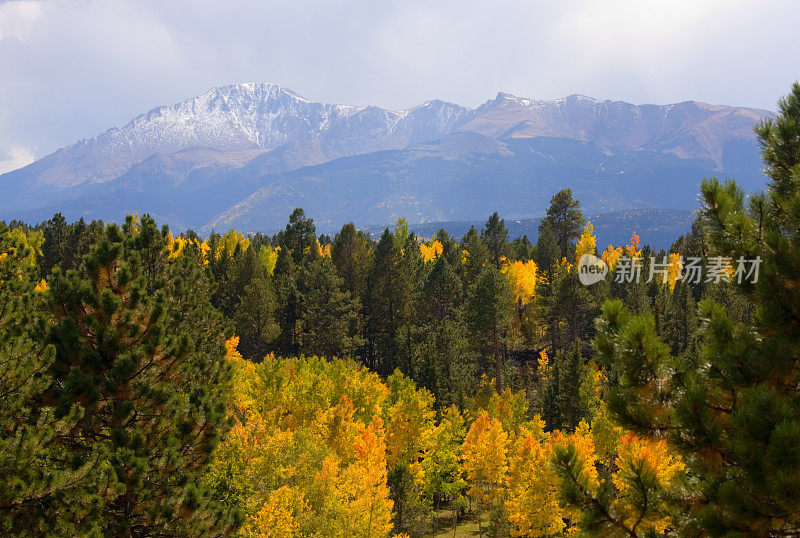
[(72, 68)]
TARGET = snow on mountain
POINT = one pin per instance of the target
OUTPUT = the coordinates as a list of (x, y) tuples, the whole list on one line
[(250, 131)]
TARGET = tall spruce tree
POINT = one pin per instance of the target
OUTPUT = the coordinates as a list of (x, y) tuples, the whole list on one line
[(565, 221), (330, 316), (351, 253), (444, 364), (488, 314), (255, 316), (385, 307), (139, 347), (495, 235)]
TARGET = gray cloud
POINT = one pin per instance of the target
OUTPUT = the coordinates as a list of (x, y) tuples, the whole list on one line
[(73, 68)]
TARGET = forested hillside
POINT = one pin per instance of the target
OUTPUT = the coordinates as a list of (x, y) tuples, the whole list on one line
[(156, 383)]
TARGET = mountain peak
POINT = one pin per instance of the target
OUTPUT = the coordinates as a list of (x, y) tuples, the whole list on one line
[(281, 131)]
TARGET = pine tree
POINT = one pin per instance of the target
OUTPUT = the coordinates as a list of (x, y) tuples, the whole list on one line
[(138, 346), (573, 408), (488, 315), (384, 307), (495, 235), (547, 250), (41, 491), (351, 253), (522, 249), (733, 410), (300, 236), (443, 360), (569, 308), (564, 220), (474, 255), (288, 299), (329, 319), (255, 317)]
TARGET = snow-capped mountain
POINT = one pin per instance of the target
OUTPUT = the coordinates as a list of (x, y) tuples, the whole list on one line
[(237, 143), (242, 117)]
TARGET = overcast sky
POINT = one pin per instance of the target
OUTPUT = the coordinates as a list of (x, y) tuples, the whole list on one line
[(70, 69)]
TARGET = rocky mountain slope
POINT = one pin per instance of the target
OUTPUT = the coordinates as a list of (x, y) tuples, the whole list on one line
[(244, 155)]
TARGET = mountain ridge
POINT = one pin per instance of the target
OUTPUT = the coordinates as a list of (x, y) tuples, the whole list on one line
[(244, 142)]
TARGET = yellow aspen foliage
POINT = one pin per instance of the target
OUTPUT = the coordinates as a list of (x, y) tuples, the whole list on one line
[(509, 407), (674, 270), (485, 460), (532, 501), (19, 253), (523, 278), (231, 349), (580, 445), (268, 257), (442, 465), (587, 244), (649, 462), (306, 454), (176, 246), (240, 397), (363, 493), (280, 515), (338, 427), (430, 252), (205, 250), (409, 419), (41, 287), (632, 250), (591, 389), (611, 255), (544, 367), (228, 244), (605, 435), (561, 269), (321, 250)]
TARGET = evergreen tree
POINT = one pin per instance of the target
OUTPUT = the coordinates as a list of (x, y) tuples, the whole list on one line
[(56, 231), (569, 309), (444, 366), (300, 236), (573, 408), (138, 346), (288, 299), (351, 253), (450, 247), (733, 410), (475, 255), (547, 251), (522, 249), (385, 306), (410, 269), (488, 315), (565, 220), (255, 317), (240, 271), (329, 316), (495, 235), (42, 492)]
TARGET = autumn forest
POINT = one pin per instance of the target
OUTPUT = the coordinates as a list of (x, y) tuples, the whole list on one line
[(160, 383)]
